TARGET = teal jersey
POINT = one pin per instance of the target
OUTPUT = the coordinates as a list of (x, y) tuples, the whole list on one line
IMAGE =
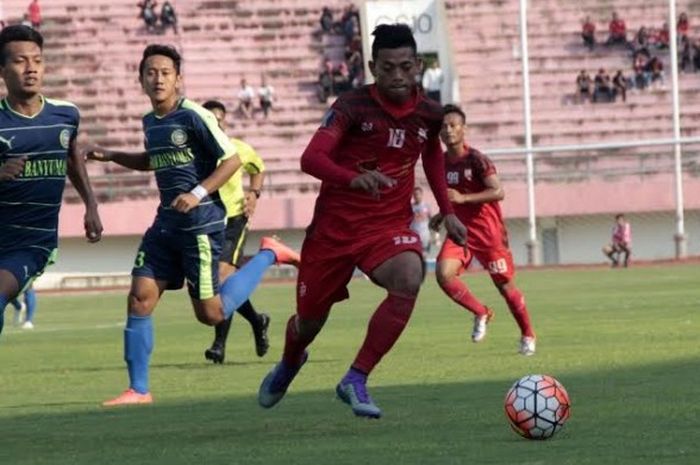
[(29, 204), (184, 148)]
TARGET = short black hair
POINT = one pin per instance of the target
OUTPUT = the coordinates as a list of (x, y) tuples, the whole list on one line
[(619, 215), (18, 33), (392, 36), (214, 105), (452, 108), (165, 50)]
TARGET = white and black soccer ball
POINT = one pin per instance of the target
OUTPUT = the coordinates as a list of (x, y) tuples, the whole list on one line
[(537, 406)]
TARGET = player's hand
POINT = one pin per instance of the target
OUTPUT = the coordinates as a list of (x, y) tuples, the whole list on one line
[(455, 196), (93, 225), (251, 201), (455, 229), (435, 222), (372, 181), (12, 168), (185, 202), (93, 152)]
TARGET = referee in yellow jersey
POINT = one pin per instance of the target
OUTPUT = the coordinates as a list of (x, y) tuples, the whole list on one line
[(240, 206)]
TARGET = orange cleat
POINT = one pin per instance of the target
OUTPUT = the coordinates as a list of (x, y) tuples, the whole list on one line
[(283, 254), (129, 397)]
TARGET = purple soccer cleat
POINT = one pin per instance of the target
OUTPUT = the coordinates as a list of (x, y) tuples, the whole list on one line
[(352, 390)]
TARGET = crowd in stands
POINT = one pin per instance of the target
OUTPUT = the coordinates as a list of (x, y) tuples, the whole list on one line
[(167, 16), (337, 77), (647, 68)]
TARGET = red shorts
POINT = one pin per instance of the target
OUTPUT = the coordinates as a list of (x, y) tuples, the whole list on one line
[(326, 266), (498, 260)]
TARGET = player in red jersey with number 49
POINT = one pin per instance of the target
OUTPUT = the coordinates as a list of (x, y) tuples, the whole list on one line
[(474, 189), (365, 152)]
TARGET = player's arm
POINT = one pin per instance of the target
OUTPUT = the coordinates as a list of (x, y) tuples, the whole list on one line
[(434, 167), (132, 160), (318, 162), (77, 174), (494, 192), (12, 168), (220, 147), (255, 167)]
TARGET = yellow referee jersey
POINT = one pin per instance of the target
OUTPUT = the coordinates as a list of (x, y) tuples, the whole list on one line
[(232, 193)]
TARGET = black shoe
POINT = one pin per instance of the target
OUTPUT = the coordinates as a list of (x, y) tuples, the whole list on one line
[(262, 343), (215, 353)]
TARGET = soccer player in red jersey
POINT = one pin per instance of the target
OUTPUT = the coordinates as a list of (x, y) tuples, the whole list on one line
[(365, 152), (474, 189)]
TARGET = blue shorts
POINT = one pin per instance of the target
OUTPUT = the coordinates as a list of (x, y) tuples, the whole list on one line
[(26, 264), (174, 257)]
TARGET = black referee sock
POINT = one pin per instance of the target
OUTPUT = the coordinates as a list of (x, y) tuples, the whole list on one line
[(248, 312), (221, 331)]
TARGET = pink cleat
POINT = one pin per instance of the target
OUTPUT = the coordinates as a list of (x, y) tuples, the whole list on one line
[(283, 254), (129, 397)]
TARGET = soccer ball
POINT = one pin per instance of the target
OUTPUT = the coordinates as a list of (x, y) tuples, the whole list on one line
[(537, 406)]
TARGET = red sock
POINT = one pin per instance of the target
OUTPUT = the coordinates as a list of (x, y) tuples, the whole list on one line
[(384, 329), (516, 303), (293, 346), (460, 293)]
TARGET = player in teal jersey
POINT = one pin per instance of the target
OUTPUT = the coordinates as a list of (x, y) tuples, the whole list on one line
[(37, 151), (192, 158)]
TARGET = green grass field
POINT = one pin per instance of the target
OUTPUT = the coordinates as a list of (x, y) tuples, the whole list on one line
[(625, 343)]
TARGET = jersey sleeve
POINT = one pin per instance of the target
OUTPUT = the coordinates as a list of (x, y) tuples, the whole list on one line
[(251, 161), (485, 166), (316, 159), (210, 136)]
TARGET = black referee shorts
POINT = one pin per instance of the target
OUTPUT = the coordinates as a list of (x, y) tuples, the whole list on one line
[(234, 242)]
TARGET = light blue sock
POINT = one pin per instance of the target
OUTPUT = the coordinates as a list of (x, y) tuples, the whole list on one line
[(30, 301), (240, 285), (3, 304), (138, 345)]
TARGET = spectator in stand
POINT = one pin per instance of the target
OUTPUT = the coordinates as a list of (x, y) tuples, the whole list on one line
[(326, 20), (583, 86), (266, 94), (683, 25), (350, 23), (603, 87), (168, 17), (588, 33), (655, 68), (325, 82), (355, 66), (663, 37), (245, 99), (641, 77), (35, 14), (148, 14), (620, 86), (641, 41), (341, 78), (26, 21), (685, 53), (618, 31), (432, 81), (696, 54)]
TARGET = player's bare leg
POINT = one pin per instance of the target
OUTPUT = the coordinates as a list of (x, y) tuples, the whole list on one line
[(138, 340), (447, 274), (610, 252), (516, 303), (401, 276), (9, 288)]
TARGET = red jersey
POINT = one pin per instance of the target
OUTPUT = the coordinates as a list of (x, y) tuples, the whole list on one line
[(361, 132), (484, 221)]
